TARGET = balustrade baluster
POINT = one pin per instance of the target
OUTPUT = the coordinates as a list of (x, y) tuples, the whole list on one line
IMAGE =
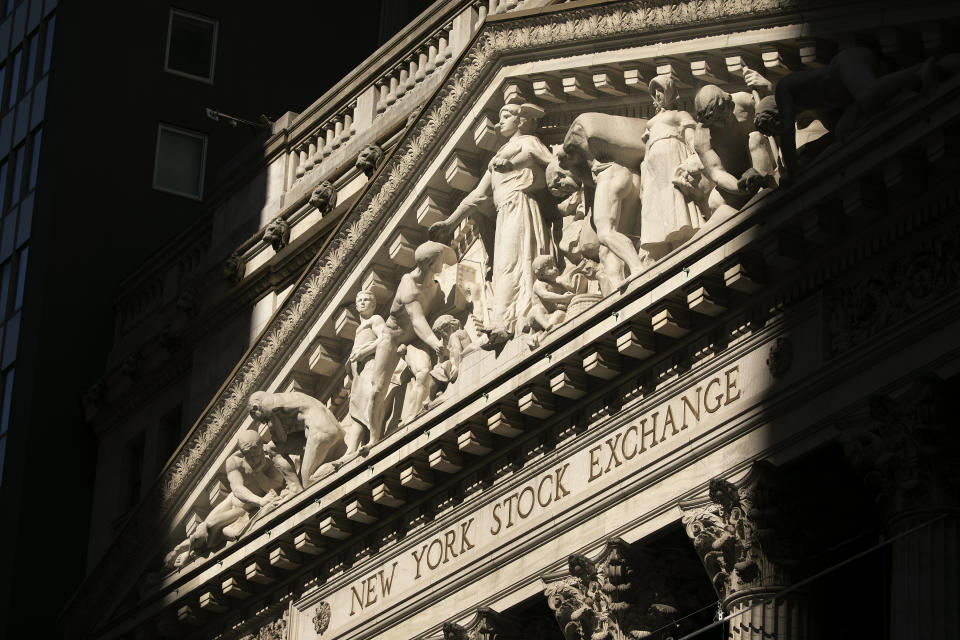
[(394, 86), (384, 95), (337, 132), (402, 84), (432, 56), (443, 51), (348, 128), (421, 66), (311, 155), (318, 154), (412, 73), (328, 146), (300, 158)]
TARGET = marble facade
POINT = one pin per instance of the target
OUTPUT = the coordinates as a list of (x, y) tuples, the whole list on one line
[(492, 392)]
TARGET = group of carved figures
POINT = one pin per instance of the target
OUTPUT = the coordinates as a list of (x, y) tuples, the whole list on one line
[(630, 191)]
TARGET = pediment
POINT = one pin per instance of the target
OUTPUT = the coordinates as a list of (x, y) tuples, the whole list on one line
[(444, 406)]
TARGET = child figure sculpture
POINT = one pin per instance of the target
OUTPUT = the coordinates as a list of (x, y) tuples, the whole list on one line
[(552, 298)]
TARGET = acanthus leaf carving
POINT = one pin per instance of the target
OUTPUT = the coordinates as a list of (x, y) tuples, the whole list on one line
[(622, 594), (273, 630), (743, 533), (904, 450), (898, 287), (487, 624)]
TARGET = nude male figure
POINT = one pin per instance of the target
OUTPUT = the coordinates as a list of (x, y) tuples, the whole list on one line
[(735, 156), (294, 411), (604, 152), (839, 94), (407, 323), (255, 485)]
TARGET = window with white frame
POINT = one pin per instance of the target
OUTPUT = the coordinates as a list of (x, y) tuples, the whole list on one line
[(191, 45), (180, 159)]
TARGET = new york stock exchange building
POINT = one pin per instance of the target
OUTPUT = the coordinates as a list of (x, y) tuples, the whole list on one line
[(608, 320)]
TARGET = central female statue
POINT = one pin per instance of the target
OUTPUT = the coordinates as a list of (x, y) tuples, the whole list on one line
[(514, 174)]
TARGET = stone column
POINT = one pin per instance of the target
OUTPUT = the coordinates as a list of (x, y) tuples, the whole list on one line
[(907, 453), (743, 534)]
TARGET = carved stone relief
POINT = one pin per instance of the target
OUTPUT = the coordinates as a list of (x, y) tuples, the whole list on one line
[(780, 357), (897, 288), (627, 191), (274, 630), (321, 618), (690, 182), (277, 233), (744, 533), (487, 624), (256, 487), (324, 197), (906, 451), (620, 594)]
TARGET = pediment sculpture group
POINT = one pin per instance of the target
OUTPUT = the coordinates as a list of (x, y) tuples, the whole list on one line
[(560, 228)]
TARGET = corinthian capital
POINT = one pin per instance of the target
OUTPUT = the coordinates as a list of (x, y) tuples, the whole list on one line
[(906, 450), (620, 593), (487, 624), (743, 532)]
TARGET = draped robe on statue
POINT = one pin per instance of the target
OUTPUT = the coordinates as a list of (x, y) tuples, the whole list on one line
[(668, 219), (521, 233)]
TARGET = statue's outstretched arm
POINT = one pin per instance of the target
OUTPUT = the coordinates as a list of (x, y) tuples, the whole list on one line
[(481, 195)]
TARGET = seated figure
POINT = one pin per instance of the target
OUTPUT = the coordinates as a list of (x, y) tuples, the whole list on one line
[(256, 486)]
